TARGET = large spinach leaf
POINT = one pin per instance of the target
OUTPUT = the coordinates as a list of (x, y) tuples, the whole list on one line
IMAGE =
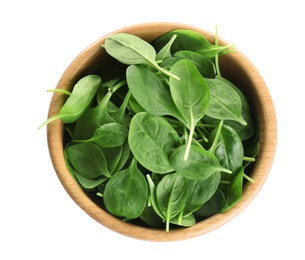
[(225, 103), (152, 139), (200, 165), (126, 193), (171, 196), (190, 94)]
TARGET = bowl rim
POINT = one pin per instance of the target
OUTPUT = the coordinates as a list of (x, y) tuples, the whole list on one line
[(263, 165)]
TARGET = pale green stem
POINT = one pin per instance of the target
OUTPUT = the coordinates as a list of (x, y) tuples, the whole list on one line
[(213, 147), (248, 178), (202, 135), (248, 159), (190, 139), (216, 56), (66, 92), (50, 120)]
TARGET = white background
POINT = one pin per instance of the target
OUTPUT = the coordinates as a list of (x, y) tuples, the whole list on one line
[(38, 40)]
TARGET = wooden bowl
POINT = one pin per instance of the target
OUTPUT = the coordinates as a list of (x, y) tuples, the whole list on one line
[(235, 67)]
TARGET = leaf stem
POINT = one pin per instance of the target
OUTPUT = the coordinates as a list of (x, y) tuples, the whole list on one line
[(166, 72), (202, 135), (213, 147), (50, 120), (190, 138), (56, 90), (248, 178), (248, 159), (217, 56)]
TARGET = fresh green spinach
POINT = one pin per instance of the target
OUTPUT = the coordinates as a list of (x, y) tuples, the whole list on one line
[(164, 112)]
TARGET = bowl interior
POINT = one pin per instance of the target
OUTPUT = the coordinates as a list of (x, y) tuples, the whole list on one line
[(235, 67)]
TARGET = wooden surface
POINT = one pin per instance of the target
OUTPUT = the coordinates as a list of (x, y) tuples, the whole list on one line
[(236, 67)]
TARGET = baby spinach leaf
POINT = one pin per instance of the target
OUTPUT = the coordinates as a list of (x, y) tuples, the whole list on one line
[(190, 40), (119, 114), (200, 165), (150, 217), (213, 206), (90, 184), (116, 157), (233, 192), (144, 83), (126, 193), (185, 221), (229, 149), (204, 65), (225, 103), (95, 117), (108, 135), (165, 52), (80, 99), (131, 50), (199, 192), (87, 160), (191, 95), (244, 131), (153, 197), (152, 139), (171, 196)]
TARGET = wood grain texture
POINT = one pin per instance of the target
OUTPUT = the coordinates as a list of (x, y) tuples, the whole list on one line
[(235, 67)]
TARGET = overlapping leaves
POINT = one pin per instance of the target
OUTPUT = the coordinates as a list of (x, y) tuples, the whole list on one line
[(172, 119)]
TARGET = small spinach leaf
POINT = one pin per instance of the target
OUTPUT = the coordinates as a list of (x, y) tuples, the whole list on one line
[(190, 40), (171, 196), (165, 52), (200, 165), (229, 149), (204, 65), (214, 205), (131, 50), (152, 139), (144, 83), (95, 117), (80, 99), (225, 103), (87, 160), (233, 192), (199, 192), (126, 193), (108, 135), (191, 95)]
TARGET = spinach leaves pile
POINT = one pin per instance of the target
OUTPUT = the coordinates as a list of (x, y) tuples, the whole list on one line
[(164, 139)]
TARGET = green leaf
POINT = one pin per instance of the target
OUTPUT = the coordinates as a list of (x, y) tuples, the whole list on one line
[(152, 139), (190, 40), (131, 50), (108, 135), (200, 164), (150, 91), (171, 196), (89, 184), (95, 117), (244, 131), (126, 193), (165, 52), (80, 99), (229, 149), (225, 103), (87, 160), (204, 65), (116, 157), (191, 95), (199, 192), (213, 206), (233, 192), (185, 221)]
